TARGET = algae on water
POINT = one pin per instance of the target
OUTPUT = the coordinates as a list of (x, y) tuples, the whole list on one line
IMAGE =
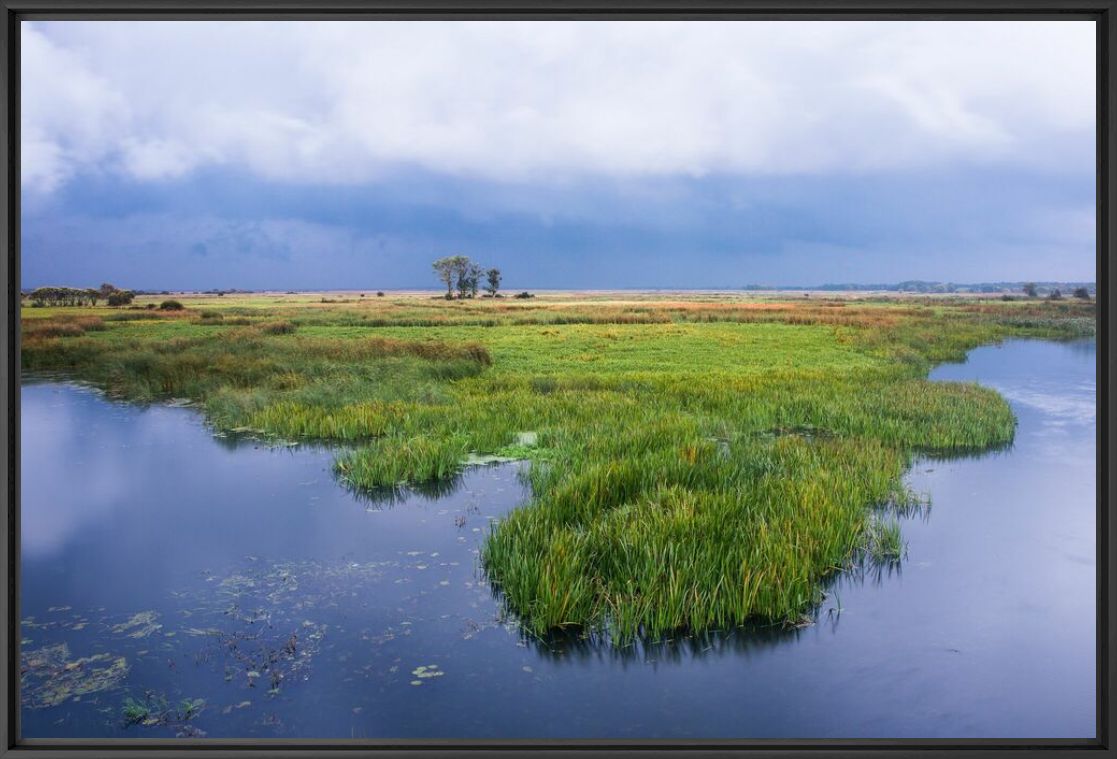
[(139, 625), (49, 676)]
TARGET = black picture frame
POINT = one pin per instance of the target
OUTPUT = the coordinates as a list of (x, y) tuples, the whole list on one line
[(1102, 12)]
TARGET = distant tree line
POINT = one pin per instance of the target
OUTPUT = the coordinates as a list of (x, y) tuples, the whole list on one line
[(1032, 291), (923, 286), (462, 277), (72, 296)]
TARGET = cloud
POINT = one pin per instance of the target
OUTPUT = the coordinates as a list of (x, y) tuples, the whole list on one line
[(221, 229), (70, 116), (550, 102)]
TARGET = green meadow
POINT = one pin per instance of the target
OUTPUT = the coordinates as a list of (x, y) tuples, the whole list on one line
[(697, 461)]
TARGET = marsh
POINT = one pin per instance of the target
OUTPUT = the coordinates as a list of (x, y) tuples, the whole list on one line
[(254, 584)]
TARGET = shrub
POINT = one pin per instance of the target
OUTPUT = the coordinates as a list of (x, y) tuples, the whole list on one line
[(121, 297), (524, 294), (171, 305), (277, 328)]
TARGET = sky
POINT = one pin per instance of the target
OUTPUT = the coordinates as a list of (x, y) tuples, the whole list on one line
[(588, 154)]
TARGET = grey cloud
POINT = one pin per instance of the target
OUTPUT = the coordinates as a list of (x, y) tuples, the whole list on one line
[(550, 102)]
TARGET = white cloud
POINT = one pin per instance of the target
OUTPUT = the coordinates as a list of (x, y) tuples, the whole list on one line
[(548, 101), (70, 115)]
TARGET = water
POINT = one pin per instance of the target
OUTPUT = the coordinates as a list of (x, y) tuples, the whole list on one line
[(986, 630)]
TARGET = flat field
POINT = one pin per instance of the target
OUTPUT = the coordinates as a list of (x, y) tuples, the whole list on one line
[(699, 459)]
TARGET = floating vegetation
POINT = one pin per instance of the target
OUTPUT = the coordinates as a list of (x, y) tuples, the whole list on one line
[(255, 628), (270, 656), (139, 625), (257, 633), (154, 709), (427, 671), (233, 707), (199, 632), (49, 676)]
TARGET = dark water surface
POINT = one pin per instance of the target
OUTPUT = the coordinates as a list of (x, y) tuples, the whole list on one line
[(174, 565)]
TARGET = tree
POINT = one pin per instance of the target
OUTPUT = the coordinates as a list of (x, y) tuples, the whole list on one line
[(473, 274), (106, 289), (462, 266), (1030, 289), (450, 270), (1082, 292), (63, 296), (121, 298), (1056, 294), (493, 277), (444, 270)]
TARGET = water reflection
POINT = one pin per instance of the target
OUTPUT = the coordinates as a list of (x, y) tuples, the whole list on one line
[(572, 648), (387, 497)]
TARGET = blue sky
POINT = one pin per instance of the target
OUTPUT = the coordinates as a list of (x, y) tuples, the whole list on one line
[(285, 155)]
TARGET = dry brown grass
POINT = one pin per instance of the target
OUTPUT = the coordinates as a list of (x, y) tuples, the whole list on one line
[(60, 326)]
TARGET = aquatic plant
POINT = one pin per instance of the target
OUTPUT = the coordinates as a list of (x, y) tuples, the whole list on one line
[(139, 625), (395, 460), (136, 712), (154, 709), (49, 676), (883, 541)]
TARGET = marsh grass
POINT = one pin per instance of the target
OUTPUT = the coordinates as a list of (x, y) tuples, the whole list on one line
[(396, 461), (884, 542), (696, 463)]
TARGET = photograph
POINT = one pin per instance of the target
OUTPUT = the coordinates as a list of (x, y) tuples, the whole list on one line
[(613, 380)]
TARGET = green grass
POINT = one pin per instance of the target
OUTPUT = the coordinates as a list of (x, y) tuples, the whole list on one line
[(396, 461), (883, 541), (696, 462)]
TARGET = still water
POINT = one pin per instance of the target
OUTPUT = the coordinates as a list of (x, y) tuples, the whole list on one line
[(229, 588)]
